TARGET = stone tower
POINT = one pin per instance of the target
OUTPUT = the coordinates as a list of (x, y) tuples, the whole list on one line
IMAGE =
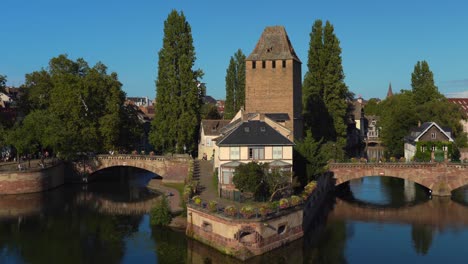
[(273, 80)]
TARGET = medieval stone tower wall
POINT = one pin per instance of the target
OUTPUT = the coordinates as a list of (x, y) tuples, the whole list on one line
[(274, 81)]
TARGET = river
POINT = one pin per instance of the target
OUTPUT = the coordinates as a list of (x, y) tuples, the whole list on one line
[(372, 220)]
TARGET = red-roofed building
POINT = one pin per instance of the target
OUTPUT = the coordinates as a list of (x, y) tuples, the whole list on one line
[(463, 104)]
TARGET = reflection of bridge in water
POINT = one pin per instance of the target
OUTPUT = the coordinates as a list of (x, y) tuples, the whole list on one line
[(107, 206), (441, 212)]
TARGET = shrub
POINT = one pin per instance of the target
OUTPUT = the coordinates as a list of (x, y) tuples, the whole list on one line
[(402, 159), (295, 200), (273, 205), (264, 210), (212, 206), (392, 159), (284, 203), (230, 210), (197, 200), (247, 211), (160, 214)]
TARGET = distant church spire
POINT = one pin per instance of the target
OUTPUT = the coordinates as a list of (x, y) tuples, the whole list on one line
[(389, 92)]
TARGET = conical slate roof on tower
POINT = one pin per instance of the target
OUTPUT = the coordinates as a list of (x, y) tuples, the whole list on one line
[(389, 92), (274, 44)]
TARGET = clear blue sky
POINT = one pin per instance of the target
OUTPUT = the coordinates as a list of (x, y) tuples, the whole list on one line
[(381, 41)]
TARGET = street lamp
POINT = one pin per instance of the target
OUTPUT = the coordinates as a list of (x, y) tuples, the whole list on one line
[(185, 148)]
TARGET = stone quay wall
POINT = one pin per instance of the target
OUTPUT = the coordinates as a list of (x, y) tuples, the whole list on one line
[(31, 181), (244, 238)]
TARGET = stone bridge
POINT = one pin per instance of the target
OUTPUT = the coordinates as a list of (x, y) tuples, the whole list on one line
[(440, 212), (440, 178), (171, 168)]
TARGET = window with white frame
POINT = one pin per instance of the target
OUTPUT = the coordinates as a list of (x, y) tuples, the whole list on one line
[(208, 142), (227, 175), (257, 153), (277, 152), (444, 148), (433, 135), (234, 153)]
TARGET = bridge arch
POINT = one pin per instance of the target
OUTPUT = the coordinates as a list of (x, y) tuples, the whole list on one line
[(441, 178), (170, 168)]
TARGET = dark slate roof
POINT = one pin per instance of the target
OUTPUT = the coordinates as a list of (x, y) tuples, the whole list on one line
[(274, 44), (416, 132), (213, 127), (278, 116), (254, 132)]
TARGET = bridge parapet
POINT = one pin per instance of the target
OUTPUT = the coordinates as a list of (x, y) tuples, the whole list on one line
[(385, 165)]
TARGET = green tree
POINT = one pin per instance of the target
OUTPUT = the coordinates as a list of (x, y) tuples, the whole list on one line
[(422, 236), (309, 159), (72, 108), (422, 82), (161, 213), (179, 97), (397, 118), (324, 92), (210, 111), (3, 80), (373, 107), (235, 85)]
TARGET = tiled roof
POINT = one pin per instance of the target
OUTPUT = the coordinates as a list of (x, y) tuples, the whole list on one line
[(254, 132), (461, 102), (274, 44), (213, 127), (417, 132)]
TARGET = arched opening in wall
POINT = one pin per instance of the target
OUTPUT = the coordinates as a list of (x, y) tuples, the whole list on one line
[(247, 237), (460, 195), (122, 183), (207, 227), (282, 229), (382, 192)]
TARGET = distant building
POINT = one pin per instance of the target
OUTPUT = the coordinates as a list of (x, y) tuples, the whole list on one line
[(429, 139), (463, 104), (251, 137), (140, 101), (220, 106), (209, 130)]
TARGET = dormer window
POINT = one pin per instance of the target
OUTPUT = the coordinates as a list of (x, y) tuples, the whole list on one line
[(262, 129), (247, 129)]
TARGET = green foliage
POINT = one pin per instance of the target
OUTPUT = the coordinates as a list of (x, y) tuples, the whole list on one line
[(309, 159), (422, 82), (179, 95), (210, 111), (248, 177), (373, 107), (325, 94), (424, 150), (247, 211), (161, 215), (72, 108), (398, 117), (403, 111), (3, 80), (235, 85), (213, 206)]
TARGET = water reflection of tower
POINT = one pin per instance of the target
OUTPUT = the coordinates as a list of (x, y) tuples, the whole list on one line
[(410, 190)]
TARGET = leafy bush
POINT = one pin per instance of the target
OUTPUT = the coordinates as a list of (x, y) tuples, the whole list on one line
[(212, 206), (230, 210), (264, 210), (160, 214), (295, 200), (247, 211), (197, 200), (284, 203)]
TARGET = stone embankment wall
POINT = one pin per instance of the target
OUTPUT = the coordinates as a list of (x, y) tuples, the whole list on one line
[(325, 184), (30, 181), (245, 238)]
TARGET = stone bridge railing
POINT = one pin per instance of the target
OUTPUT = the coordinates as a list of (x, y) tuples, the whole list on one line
[(440, 178)]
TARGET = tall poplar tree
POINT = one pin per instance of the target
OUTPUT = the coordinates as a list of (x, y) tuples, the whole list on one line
[(422, 82), (235, 85), (178, 95), (324, 92)]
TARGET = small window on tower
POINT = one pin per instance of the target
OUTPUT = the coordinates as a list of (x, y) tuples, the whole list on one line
[(273, 64), (254, 64), (284, 64), (263, 64)]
